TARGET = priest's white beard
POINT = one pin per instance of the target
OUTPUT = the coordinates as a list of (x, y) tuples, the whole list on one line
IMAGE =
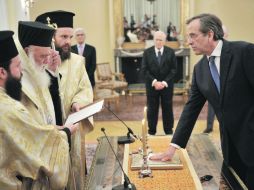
[(41, 78)]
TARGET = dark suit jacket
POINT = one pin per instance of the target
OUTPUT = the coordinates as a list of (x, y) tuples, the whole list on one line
[(234, 107), (90, 54), (163, 72)]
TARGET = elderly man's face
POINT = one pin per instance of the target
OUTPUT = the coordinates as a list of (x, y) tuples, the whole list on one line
[(40, 58), (63, 38), (80, 37), (39, 55), (159, 39)]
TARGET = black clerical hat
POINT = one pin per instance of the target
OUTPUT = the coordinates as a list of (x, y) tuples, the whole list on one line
[(60, 18), (35, 33), (8, 48)]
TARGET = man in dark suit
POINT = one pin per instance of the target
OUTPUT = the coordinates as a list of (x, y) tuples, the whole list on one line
[(86, 51), (232, 97), (210, 112), (159, 68)]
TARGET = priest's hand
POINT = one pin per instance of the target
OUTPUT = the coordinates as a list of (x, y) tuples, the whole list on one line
[(165, 156), (59, 127), (55, 60), (73, 127), (75, 107)]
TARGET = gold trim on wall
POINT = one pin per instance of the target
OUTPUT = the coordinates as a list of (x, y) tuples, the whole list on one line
[(118, 17), (185, 13)]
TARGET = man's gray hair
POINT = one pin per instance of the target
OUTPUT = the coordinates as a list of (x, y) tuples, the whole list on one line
[(159, 32), (209, 22), (79, 30)]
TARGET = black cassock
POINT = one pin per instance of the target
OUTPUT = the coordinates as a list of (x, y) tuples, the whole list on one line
[(54, 92)]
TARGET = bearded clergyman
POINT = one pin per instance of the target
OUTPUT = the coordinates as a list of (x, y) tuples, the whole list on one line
[(32, 156), (75, 87), (36, 53)]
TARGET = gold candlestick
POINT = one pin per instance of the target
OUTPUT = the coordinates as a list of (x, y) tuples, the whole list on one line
[(145, 170)]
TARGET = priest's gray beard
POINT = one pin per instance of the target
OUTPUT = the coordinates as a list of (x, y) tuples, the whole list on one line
[(42, 78)]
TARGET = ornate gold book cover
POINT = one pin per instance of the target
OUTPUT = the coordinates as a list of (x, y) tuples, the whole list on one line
[(137, 161)]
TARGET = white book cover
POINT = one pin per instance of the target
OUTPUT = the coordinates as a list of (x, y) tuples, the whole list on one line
[(85, 112)]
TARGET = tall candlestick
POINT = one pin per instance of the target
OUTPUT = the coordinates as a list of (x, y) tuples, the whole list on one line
[(145, 170)]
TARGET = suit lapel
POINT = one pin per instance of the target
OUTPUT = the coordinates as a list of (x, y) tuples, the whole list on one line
[(85, 52), (154, 57), (225, 63), (75, 49)]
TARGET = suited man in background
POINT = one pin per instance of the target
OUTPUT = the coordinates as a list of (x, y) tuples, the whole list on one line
[(86, 51), (159, 69), (227, 82)]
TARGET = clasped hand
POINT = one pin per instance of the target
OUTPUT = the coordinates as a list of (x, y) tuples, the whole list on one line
[(159, 85)]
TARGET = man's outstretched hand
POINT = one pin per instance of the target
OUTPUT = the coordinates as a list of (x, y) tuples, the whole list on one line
[(165, 156)]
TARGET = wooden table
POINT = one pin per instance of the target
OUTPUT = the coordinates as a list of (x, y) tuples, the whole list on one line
[(105, 172)]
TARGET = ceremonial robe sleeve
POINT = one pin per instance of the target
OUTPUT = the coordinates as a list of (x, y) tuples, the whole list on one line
[(28, 149), (84, 92)]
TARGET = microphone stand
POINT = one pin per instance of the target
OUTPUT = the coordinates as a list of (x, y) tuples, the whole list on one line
[(124, 139), (127, 184)]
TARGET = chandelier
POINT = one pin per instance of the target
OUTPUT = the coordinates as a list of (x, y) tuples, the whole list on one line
[(29, 3)]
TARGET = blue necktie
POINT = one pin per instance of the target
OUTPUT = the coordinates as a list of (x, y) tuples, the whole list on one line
[(159, 57), (214, 72)]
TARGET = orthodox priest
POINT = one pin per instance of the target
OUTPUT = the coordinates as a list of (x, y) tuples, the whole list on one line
[(75, 87), (36, 53), (32, 156)]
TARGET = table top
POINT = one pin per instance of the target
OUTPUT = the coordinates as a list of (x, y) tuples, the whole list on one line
[(105, 172)]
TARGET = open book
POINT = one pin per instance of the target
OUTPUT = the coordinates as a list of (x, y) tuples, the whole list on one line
[(85, 112)]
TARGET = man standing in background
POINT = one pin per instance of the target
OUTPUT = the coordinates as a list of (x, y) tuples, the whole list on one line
[(86, 51), (159, 69)]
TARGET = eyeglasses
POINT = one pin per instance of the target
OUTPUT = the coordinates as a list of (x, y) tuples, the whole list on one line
[(193, 36), (205, 178)]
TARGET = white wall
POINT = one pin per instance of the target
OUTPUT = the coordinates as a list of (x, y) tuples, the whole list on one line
[(3, 14), (11, 11), (92, 15)]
